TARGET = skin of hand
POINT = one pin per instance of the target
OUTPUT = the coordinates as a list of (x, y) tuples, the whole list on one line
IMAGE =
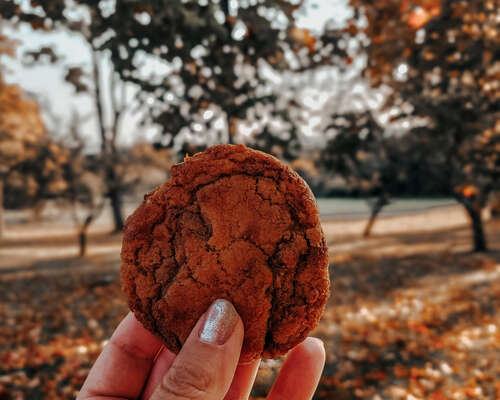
[(135, 365)]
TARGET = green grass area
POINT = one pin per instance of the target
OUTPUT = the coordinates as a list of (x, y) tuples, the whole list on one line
[(359, 208)]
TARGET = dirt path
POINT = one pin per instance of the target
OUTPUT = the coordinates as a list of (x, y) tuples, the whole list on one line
[(32, 243)]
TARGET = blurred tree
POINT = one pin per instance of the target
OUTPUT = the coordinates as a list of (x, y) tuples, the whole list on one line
[(85, 195), (192, 60), (85, 180), (85, 185), (36, 179), (215, 55), (370, 162), (22, 134), (108, 91), (443, 58)]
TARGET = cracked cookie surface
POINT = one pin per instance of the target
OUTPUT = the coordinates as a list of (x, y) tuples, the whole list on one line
[(231, 223)]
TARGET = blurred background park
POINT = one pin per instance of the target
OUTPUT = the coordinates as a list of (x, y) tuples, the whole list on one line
[(389, 109)]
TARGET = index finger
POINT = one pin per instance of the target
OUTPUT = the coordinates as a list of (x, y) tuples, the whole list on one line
[(301, 372), (124, 364)]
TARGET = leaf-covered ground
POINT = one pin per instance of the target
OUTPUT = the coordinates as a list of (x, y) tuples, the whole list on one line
[(406, 320)]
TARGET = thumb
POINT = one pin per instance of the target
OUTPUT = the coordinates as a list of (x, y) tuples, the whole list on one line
[(205, 366)]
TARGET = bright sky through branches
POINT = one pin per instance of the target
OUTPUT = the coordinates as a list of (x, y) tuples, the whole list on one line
[(47, 82)]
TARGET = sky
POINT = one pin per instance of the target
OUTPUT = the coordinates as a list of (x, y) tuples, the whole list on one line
[(47, 81)]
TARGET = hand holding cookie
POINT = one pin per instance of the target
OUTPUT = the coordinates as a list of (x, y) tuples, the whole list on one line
[(236, 232), (135, 364)]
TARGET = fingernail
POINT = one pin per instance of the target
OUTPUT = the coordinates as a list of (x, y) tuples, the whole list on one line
[(317, 340), (220, 322)]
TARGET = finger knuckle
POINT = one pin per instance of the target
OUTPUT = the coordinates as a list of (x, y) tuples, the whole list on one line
[(187, 381)]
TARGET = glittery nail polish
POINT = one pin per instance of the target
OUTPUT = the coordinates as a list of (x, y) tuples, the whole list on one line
[(220, 322)]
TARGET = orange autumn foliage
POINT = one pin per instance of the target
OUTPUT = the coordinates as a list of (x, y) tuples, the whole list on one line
[(419, 13), (304, 37)]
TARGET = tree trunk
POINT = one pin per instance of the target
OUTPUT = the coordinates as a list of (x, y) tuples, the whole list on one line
[(369, 225), (113, 186), (379, 204), (98, 101), (82, 242), (108, 149), (82, 234), (115, 198), (1, 208), (231, 129), (480, 244)]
